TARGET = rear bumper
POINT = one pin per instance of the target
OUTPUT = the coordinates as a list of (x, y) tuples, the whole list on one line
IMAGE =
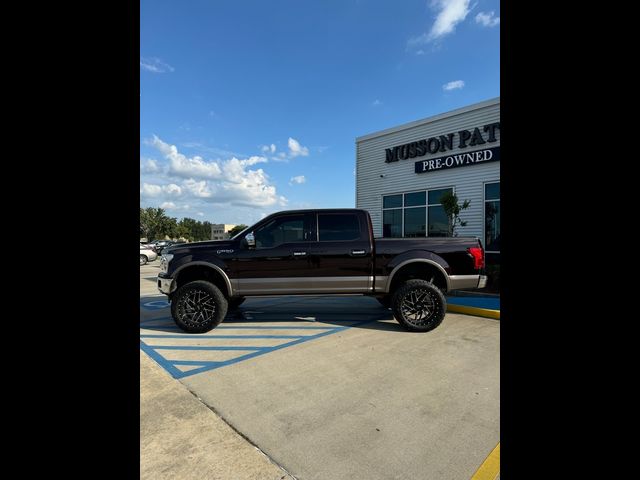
[(458, 282)]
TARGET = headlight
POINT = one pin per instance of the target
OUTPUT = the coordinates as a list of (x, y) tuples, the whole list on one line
[(164, 261)]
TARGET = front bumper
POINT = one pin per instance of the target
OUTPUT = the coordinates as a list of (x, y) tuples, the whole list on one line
[(166, 285)]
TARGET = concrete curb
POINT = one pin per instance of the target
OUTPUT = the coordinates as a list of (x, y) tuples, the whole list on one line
[(479, 312)]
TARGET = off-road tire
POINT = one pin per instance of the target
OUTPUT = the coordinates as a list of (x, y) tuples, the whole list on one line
[(418, 305), (198, 307)]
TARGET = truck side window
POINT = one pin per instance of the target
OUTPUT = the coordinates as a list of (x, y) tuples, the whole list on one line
[(287, 229), (335, 227)]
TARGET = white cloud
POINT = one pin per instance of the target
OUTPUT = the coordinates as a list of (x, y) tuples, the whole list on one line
[(150, 190), (487, 19), (376, 103), (221, 182), (420, 52), (153, 190), (181, 166), (149, 166), (200, 214), (155, 65), (456, 84), (172, 189), (300, 179), (168, 205), (269, 148), (295, 149), (449, 14)]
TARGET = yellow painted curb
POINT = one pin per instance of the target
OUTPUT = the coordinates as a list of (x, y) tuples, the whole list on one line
[(481, 312), (490, 468)]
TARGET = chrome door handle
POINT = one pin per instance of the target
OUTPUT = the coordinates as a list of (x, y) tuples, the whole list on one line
[(299, 254), (358, 252)]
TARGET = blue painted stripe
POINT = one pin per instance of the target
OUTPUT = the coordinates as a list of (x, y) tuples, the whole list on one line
[(193, 362), (201, 347), (173, 326), (233, 327), (210, 365), (163, 362), (197, 335), (258, 353), (161, 328), (491, 303), (156, 319)]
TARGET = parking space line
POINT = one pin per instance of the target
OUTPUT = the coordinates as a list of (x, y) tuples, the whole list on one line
[(205, 366), (160, 360), (233, 327), (203, 347), (490, 468), (197, 335)]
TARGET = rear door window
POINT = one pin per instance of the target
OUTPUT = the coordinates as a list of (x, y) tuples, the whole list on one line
[(335, 227)]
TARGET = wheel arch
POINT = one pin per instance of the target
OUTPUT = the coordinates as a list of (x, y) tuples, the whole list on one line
[(204, 271), (419, 268)]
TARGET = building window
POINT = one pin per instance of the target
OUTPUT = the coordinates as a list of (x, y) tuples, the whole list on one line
[(492, 217), (415, 214), (437, 220), (392, 216)]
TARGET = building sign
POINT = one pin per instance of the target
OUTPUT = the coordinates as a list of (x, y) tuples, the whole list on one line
[(459, 160), (442, 143)]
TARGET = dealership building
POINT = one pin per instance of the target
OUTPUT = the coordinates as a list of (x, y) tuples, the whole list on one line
[(402, 172)]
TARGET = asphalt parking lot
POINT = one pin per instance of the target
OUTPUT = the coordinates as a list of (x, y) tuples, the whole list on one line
[(333, 387)]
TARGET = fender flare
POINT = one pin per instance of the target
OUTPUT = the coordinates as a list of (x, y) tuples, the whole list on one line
[(215, 267), (397, 268)]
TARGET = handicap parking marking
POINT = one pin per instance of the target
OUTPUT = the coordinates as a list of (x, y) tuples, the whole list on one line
[(155, 305), (173, 343)]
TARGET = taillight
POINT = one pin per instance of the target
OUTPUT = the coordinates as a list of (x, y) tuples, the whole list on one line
[(478, 257)]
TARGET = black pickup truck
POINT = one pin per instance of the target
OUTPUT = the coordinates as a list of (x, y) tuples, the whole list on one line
[(318, 252)]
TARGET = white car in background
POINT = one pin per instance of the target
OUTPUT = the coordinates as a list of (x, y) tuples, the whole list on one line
[(147, 255)]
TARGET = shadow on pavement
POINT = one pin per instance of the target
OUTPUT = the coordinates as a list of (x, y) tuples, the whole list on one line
[(354, 312)]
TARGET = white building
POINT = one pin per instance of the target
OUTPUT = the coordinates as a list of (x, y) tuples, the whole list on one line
[(220, 231), (401, 172)]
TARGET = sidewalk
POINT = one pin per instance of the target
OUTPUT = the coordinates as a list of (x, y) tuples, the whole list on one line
[(180, 438)]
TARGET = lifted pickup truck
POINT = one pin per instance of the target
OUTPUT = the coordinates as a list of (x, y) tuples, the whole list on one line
[(318, 252)]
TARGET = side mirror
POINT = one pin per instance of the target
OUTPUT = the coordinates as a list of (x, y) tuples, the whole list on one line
[(250, 239)]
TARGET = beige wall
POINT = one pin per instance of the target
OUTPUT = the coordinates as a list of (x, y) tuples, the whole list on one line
[(220, 231)]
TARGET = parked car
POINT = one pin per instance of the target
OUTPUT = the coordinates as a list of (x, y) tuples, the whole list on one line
[(147, 254), (319, 252), (161, 245)]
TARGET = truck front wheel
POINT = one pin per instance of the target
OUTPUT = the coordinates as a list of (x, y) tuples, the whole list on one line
[(198, 307), (419, 306)]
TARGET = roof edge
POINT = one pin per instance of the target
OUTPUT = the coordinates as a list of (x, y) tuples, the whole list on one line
[(440, 116)]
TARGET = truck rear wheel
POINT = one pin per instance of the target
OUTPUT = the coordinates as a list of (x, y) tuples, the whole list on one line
[(198, 307), (419, 306)]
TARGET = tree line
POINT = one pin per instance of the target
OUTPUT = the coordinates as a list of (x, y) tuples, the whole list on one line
[(156, 225)]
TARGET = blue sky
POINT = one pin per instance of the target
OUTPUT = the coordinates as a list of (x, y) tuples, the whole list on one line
[(251, 107)]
